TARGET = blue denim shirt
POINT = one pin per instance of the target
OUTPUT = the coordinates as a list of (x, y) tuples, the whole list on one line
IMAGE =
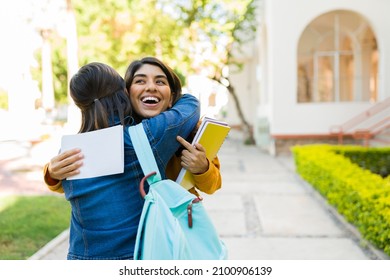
[(106, 210)]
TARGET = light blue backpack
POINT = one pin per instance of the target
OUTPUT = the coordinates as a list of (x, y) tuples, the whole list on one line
[(174, 224)]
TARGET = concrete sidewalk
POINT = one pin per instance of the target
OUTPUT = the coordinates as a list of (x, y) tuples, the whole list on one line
[(265, 211)]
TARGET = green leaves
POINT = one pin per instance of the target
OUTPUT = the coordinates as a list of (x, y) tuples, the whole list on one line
[(361, 196), (185, 34)]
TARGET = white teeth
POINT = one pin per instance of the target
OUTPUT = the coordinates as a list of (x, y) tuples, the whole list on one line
[(150, 99)]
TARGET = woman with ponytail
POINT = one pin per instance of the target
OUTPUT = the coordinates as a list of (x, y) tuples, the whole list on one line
[(106, 209)]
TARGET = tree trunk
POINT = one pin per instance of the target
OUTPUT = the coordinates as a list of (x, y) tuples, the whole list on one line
[(47, 73), (248, 129), (74, 115)]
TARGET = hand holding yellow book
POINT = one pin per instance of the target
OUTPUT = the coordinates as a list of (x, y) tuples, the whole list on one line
[(211, 135)]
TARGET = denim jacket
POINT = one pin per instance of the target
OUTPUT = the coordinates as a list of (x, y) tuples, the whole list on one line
[(106, 210)]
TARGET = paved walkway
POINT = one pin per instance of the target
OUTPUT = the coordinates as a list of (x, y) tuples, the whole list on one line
[(264, 211)]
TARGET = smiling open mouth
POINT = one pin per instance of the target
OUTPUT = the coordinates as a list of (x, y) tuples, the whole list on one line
[(150, 100)]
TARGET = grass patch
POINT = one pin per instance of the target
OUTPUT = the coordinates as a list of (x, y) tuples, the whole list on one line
[(27, 223)]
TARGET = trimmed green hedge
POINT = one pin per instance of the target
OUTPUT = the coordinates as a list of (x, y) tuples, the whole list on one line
[(377, 160), (361, 196)]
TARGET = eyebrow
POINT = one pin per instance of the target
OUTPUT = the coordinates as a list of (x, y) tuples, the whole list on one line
[(156, 77)]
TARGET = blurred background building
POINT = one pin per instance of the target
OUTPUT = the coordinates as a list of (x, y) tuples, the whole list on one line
[(315, 71), (318, 72)]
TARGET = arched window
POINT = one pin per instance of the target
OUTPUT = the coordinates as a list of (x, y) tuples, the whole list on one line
[(337, 59)]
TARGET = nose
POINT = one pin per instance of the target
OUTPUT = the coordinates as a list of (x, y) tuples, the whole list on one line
[(150, 86)]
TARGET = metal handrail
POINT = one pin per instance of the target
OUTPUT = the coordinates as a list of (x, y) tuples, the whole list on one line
[(340, 130), (373, 130)]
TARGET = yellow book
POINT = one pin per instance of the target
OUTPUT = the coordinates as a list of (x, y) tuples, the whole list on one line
[(211, 135)]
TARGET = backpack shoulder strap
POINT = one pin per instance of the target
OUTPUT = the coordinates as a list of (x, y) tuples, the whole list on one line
[(144, 152)]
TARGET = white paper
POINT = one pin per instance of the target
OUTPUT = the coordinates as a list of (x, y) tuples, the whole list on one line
[(102, 149)]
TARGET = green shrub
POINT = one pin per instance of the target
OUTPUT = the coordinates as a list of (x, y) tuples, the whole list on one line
[(361, 196), (377, 160)]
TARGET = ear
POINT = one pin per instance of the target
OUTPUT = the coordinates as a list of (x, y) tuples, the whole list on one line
[(171, 101)]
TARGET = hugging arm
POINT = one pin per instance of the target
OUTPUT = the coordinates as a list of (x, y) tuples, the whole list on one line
[(185, 110)]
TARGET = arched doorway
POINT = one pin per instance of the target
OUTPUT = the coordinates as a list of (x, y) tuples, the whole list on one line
[(337, 59)]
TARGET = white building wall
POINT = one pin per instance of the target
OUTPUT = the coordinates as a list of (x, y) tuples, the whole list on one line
[(285, 20), (247, 90), (245, 83)]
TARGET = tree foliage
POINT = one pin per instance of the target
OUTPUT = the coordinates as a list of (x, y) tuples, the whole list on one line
[(117, 32), (192, 36), (189, 35)]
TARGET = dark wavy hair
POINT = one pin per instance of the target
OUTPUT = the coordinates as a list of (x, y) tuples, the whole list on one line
[(100, 93), (173, 79)]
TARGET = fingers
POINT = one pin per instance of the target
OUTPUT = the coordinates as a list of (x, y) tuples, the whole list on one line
[(67, 158), (60, 173), (67, 155), (189, 146), (185, 144), (67, 171), (199, 147), (65, 164), (196, 164), (193, 158)]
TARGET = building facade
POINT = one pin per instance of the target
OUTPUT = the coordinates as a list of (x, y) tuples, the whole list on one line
[(314, 65)]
